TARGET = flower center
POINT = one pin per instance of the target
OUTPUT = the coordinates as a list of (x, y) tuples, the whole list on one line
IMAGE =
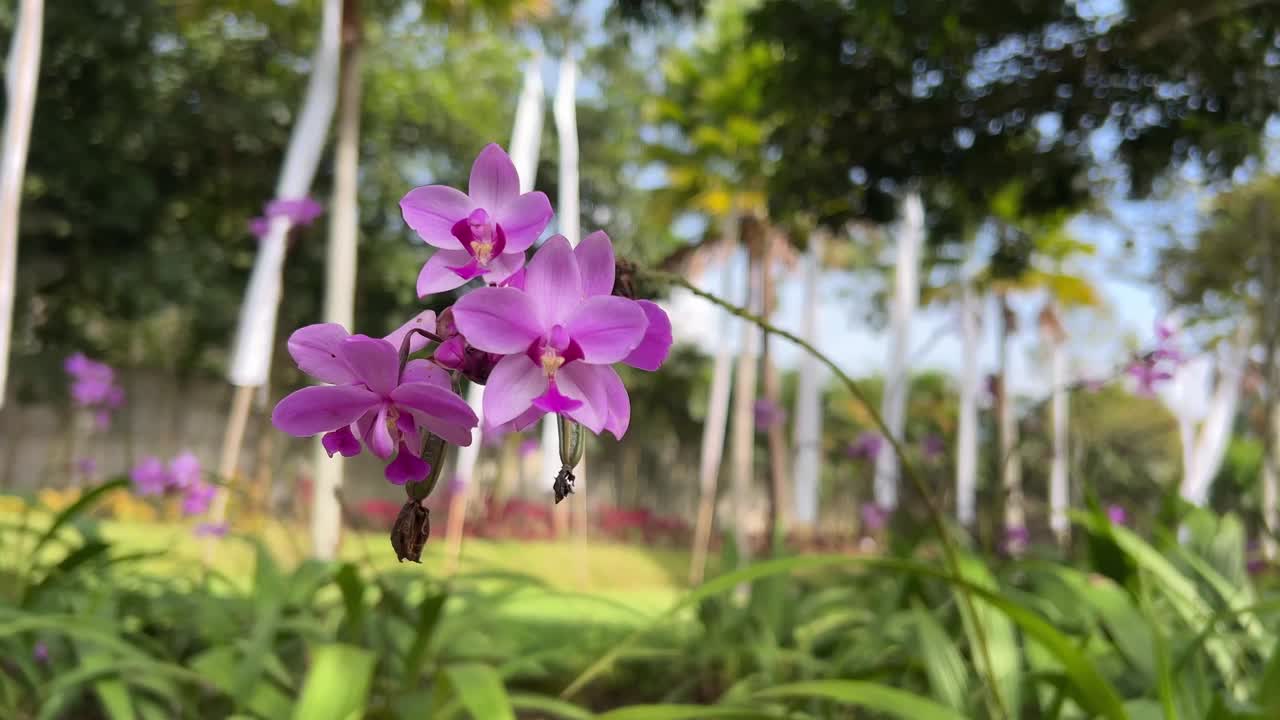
[(482, 236), (483, 252), (551, 361), (393, 417)]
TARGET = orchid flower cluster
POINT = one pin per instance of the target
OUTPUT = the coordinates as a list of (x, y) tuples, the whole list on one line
[(94, 388), (183, 475), (541, 337), (1158, 365), (300, 212)]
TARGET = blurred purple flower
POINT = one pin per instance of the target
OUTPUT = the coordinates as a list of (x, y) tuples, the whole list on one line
[(1255, 566), (1148, 376), (150, 476), (1117, 514), (300, 211), (259, 226), (197, 497), (40, 652), (932, 447), (185, 470), (1016, 539), (216, 530), (866, 447), (1092, 385), (86, 467), (529, 446), (874, 517), (768, 415), (102, 420)]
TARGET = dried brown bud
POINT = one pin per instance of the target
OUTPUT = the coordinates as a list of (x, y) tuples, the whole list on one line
[(410, 532)]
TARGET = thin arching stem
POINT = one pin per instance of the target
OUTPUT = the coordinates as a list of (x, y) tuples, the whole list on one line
[(936, 517)]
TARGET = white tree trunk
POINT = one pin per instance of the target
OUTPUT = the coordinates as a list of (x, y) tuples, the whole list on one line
[(807, 469), (967, 430), (897, 375), (255, 336), (1059, 484), (713, 430), (526, 135), (21, 78), (1010, 452), (742, 428), (340, 286), (1215, 431)]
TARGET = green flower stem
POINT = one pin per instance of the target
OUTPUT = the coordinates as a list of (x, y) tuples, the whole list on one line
[(935, 513)]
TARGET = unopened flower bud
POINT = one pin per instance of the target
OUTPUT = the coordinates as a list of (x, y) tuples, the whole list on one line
[(451, 353)]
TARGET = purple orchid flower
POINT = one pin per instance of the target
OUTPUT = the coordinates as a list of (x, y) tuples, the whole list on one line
[(874, 517), (185, 470), (1016, 539), (558, 337), (212, 530), (300, 211), (483, 233), (371, 399), (1148, 376), (197, 497), (932, 447), (866, 447), (150, 476), (768, 415), (1117, 514), (259, 226)]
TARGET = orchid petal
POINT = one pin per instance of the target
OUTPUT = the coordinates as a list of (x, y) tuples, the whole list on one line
[(607, 328), (438, 410), (341, 441), (378, 435), (596, 264), (432, 210), (315, 349), (584, 383), (523, 220), (322, 408), (619, 413), (553, 282), (425, 320), (656, 343), (497, 320), (494, 182), (407, 467), (513, 384), (554, 401), (437, 275), (425, 371), (502, 267), (374, 361)]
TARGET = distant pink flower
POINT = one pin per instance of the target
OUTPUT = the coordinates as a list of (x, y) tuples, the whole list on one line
[(1148, 376), (1117, 515), (41, 652), (768, 415), (874, 517), (150, 476), (481, 234), (529, 446), (932, 447), (1016, 539), (300, 211), (215, 530), (371, 399), (197, 496), (93, 383), (185, 470), (86, 467), (866, 447), (558, 337)]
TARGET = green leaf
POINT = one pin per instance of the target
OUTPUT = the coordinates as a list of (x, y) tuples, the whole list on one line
[(683, 712), (83, 504), (480, 690), (996, 633), (429, 611), (873, 696), (1269, 686), (337, 685), (219, 666), (549, 706), (948, 675)]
